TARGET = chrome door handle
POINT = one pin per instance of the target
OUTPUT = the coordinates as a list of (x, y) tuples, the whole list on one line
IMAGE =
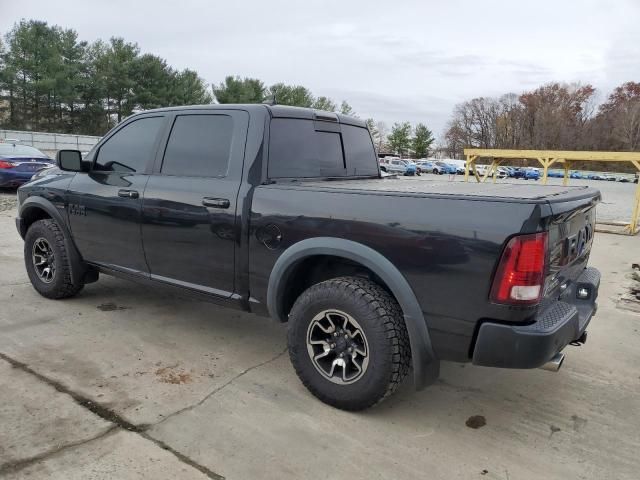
[(128, 193), (215, 202)]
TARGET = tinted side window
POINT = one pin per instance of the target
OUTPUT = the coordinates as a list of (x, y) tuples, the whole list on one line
[(358, 148), (297, 150), (130, 148), (199, 146)]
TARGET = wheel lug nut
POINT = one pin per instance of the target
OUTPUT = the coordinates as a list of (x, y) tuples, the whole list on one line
[(335, 334), (341, 355), (333, 345), (346, 336)]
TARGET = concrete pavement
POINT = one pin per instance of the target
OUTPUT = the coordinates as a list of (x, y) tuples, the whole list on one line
[(127, 382)]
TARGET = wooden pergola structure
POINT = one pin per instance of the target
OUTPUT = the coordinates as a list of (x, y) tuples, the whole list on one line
[(547, 158)]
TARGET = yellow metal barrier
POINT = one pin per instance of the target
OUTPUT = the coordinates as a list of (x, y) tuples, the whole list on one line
[(547, 158)]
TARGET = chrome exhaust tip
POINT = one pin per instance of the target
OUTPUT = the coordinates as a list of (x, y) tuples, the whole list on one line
[(555, 363)]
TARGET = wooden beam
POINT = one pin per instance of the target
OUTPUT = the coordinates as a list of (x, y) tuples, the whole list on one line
[(557, 154)]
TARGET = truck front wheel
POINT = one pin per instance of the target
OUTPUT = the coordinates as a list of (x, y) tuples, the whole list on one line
[(47, 261), (348, 342)]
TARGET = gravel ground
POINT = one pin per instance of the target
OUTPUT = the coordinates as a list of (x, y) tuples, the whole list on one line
[(7, 199)]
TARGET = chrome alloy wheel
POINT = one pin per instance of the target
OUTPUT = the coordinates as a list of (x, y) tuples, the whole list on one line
[(337, 347), (44, 261)]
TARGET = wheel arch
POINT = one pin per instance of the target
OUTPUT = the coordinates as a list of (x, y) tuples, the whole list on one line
[(37, 208), (425, 364)]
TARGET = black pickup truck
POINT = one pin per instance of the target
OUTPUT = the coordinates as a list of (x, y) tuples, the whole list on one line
[(282, 211)]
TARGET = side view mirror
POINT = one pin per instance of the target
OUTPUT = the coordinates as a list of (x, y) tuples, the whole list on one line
[(69, 160)]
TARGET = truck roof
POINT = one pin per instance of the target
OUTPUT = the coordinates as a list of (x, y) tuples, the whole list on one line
[(522, 192), (278, 111)]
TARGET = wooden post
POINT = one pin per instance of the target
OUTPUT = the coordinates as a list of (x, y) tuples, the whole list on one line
[(635, 213), (545, 169), (466, 168), (565, 180)]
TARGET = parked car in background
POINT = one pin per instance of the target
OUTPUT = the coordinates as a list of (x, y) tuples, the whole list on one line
[(446, 168), (414, 164), (575, 174), (425, 166), (555, 174), (527, 173), (510, 171), (398, 166), (459, 164), (18, 163), (594, 176)]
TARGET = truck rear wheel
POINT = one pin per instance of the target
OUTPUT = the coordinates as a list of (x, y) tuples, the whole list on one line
[(348, 342), (47, 261)]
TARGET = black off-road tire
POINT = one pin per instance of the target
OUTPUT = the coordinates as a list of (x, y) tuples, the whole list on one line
[(61, 285), (381, 320)]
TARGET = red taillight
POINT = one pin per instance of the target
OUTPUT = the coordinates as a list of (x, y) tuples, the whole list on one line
[(5, 164), (519, 278)]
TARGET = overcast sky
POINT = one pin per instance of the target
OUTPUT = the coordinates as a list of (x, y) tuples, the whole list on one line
[(392, 60)]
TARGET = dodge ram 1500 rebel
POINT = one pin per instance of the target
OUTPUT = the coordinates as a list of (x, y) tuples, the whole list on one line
[(282, 211)]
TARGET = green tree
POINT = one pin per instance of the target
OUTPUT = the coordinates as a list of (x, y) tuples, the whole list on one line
[(91, 91), (240, 90), (117, 67), (373, 130), (295, 95), (399, 139), (68, 79), (422, 140), (324, 103), (31, 59), (189, 89), (346, 109)]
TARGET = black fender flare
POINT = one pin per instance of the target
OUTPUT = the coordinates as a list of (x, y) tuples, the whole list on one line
[(426, 366), (78, 267)]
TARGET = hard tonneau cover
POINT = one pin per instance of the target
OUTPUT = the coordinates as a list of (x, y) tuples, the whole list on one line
[(521, 191)]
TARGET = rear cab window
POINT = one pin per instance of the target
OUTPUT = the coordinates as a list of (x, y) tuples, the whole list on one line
[(306, 148)]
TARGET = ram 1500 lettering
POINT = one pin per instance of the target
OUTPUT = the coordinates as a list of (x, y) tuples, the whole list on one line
[(282, 211)]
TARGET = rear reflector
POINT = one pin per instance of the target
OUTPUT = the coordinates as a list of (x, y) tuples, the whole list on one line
[(519, 278)]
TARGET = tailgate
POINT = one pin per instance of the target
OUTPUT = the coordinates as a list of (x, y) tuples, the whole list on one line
[(571, 233)]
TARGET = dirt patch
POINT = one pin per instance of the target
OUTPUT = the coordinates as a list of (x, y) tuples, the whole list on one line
[(578, 422), (630, 299), (110, 307), (170, 375), (476, 421), (8, 200)]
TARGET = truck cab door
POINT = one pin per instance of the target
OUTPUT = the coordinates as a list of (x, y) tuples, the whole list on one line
[(104, 205), (189, 228)]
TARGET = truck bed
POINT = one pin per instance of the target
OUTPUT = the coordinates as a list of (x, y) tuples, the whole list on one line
[(521, 191)]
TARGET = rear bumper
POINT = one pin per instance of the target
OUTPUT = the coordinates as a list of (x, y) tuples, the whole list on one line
[(531, 346)]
